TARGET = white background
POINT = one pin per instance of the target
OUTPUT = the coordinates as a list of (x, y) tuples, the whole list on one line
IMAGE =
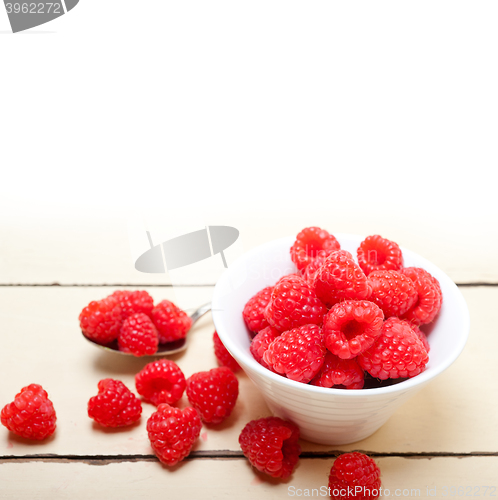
[(258, 112)]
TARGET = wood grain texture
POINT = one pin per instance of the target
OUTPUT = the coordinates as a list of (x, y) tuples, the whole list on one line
[(234, 478)]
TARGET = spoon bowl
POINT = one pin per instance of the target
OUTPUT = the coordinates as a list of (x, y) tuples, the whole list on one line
[(167, 349)]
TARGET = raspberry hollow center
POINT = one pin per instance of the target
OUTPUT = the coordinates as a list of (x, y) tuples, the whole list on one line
[(352, 329)]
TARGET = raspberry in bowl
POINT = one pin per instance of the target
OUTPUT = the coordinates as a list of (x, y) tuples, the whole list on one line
[(325, 414)]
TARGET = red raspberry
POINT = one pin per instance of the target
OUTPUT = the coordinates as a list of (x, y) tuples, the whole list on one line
[(101, 320), (261, 342), (222, 355), (115, 405), (422, 336), (254, 310), (430, 296), (310, 271), (354, 476), (138, 335), (271, 445), (173, 432), (213, 393), (293, 303), (297, 353), (378, 254), (171, 322), (31, 415), (340, 278), (339, 373), (392, 291), (397, 352), (161, 381), (351, 327), (134, 302), (308, 244)]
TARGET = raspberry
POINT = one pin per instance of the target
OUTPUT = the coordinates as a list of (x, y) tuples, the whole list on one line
[(213, 393), (422, 336), (430, 296), (351, 327), (222, 355), (101, 320), (171, 322), (115, 405), (261, 342), (340, 278), (173, 432), (392, 291), (354, 476), (297, 353), (309, 242), (161, 381), (339, 373), (309, 272), (397, 352), (378, 254), (271, 445), (138, 335), (31, 415), (293, 303), (134, 302), (254, 310)]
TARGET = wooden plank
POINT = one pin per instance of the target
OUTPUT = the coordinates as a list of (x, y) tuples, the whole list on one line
[(41, 343), (219, 479), (93, 250)]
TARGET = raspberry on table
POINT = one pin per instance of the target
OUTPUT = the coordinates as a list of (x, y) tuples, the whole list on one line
[(172, 432), (271, 445), (161, 381), (115, 405), (172, 323), (392, 291), (309, 242), (340, 278), (397, 352), (213, 393), (222, 355), (31, 415), (430, 297), (261, 342), (138, 335), (134, 302), (254, 310), (298, 353), (293, 303), (376, 253), (339, 373), (351, 327), (101, 320), (352, 470)]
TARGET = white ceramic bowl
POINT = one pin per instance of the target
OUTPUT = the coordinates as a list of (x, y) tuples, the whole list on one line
[(329, 416)]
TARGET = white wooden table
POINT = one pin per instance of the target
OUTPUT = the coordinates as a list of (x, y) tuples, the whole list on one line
[(445, 437)]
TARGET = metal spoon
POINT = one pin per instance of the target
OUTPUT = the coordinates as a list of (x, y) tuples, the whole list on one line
[(162, 349)]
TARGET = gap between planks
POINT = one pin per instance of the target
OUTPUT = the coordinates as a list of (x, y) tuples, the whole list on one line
[(224, 455), (156, 285)]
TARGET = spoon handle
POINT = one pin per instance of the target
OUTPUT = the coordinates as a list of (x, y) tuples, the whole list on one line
[(201, 311)]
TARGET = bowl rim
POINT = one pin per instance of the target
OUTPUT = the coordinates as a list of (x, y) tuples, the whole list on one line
[(253, 365)]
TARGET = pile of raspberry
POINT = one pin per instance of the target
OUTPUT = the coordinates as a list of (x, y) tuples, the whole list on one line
[(130, 322), (343, 322)]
